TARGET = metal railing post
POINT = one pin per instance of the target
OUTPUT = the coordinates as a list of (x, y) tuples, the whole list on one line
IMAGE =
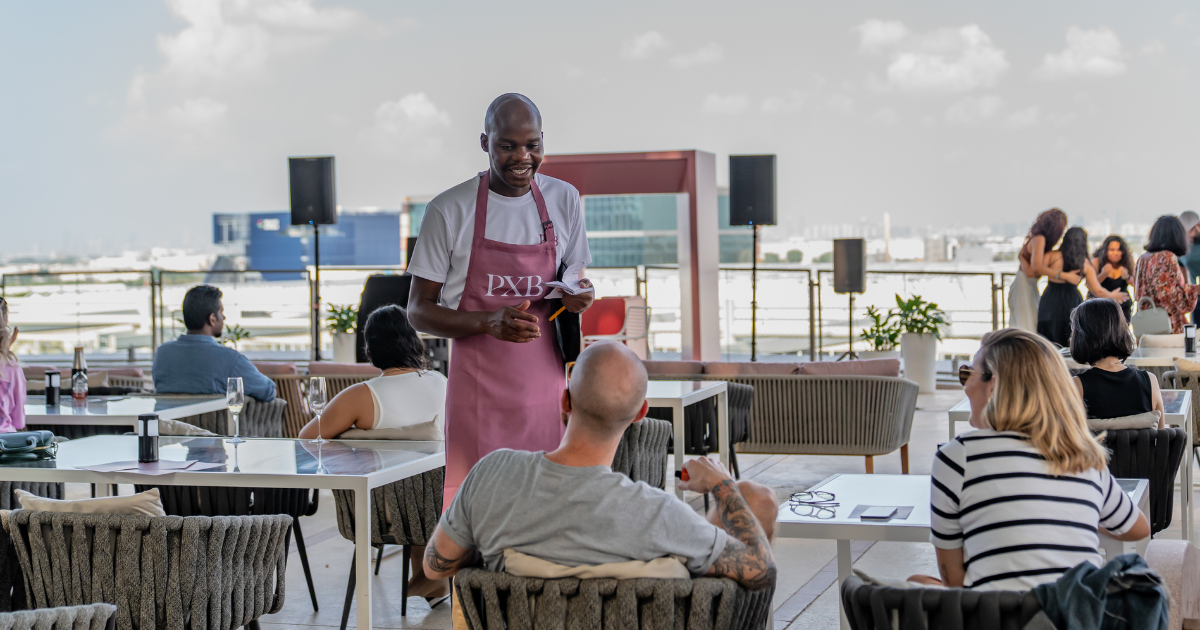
[(314, 311), (812, 320), (995, 304), (820, 319), (153, 316)]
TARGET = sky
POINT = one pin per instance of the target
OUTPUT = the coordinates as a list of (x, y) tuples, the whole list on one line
[(127, 125)]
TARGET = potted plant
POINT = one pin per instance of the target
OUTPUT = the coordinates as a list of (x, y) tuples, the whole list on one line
[(233, 334), (920, 323), (342, 320), (882, 336)]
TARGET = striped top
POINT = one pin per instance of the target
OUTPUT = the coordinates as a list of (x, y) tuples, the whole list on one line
[(1019, 526)]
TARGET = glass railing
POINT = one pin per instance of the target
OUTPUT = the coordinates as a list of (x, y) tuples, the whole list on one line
[(123, 315)]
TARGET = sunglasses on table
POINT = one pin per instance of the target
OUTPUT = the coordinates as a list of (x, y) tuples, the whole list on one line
[(817, 504)]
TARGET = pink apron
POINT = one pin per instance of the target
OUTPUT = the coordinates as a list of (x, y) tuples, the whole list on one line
[(503, 394)]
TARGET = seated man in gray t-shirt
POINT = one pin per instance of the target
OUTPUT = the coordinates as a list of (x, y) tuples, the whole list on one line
[(570, 508)]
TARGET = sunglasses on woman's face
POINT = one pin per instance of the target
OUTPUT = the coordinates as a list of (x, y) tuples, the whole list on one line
[(965, 372)]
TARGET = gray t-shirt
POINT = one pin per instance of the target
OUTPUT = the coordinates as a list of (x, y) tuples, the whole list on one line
[(573, 516)]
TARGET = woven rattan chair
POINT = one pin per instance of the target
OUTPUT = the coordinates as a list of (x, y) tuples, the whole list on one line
[(294, 389), (1152, 454), (827, 415), (1175, 379), (642, 453), (258, 419), (870, 606), (87, 617), (402, 513), (700, 423), (8, 499), (500, 600), (202, 573)]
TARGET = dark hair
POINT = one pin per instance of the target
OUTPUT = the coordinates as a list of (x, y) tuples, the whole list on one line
[(200, 301), (1098, 330), (1049, 224), (1168, 234), (1126, 257), (392, 342), (1074, 249)]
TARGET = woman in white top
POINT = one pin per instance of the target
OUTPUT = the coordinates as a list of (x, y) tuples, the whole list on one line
[(405, 395), (1019, 502)]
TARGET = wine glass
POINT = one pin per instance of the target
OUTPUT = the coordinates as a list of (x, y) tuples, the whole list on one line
[(316, 400), (235, 399)]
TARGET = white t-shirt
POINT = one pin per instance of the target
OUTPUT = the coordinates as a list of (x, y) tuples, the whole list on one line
[(443, 249)]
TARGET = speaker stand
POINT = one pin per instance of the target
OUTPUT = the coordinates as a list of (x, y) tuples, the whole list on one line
[(754, 297), (850, 353), (316, 343)]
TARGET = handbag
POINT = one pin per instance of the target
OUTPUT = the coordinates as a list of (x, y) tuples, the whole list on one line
[(40, 444), (1149, 320)]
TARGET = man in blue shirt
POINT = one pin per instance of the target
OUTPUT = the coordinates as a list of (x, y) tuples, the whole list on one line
[(196, 363)]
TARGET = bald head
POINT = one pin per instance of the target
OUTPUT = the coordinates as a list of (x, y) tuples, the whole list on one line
[(511, 109), (608, 387)]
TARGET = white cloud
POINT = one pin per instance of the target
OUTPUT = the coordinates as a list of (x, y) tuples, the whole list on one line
[(779, 104), (1028, 117), (1154, 47), (885, 116), (1095, 52), (725, 104), (410, 112), (875, 35), (711, 53), (944, 60), (198, 112), (644, 45), (227, 39), (974, 109)]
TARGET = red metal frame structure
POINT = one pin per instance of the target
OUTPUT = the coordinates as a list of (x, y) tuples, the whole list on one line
[(691, 172)]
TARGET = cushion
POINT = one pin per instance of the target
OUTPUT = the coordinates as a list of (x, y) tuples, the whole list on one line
[(1161, 341), (179, 427), (133, 372), (432, 431), (1187, 365), (1148, 420), (523, 565), (147, 503), (329, 368), (275, 368), (748, 368), (866, 367), (96, 378), (673, 368)]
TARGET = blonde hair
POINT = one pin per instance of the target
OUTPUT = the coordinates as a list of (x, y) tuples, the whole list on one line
[(1034, 396), (6, 353)]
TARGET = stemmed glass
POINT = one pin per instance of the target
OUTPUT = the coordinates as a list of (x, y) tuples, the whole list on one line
[(316, 400), (235, 399)]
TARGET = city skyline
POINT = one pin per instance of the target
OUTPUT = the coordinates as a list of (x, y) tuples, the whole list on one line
[(133, 127)]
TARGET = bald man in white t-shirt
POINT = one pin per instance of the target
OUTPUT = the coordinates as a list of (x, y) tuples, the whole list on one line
[(486, 249)]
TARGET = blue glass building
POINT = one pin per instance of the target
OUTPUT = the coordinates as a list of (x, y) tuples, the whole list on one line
[(359, 238)]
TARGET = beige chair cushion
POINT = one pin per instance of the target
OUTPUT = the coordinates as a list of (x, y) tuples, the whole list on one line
[(179, 427), (747, 368), (328, 368), (274, 368), (1187, 365), (866, 367), (1148, 420), (432, 431), (1161, 341), (523, 565), (673, 368), (96, 378), (147, 503)]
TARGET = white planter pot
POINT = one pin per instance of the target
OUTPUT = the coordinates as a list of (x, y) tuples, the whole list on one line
[(879, 354), (919, 352), (343, 348)]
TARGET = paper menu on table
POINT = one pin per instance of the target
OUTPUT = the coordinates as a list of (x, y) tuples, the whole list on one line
[(161, 467), (569, 284)]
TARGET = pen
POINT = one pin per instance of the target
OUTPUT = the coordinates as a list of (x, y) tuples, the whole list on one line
[(556, 314)]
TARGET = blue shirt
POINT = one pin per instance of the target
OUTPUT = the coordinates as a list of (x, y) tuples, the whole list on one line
[(197, 364)]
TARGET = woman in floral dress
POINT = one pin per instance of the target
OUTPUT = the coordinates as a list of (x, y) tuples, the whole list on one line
[(1159, 276)]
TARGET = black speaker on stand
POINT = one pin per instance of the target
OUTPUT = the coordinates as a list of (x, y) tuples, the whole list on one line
[(752, 196), (314, 202), (850, 277)]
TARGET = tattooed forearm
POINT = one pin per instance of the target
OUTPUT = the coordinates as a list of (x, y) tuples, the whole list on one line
[(442, 564), (747, 558)]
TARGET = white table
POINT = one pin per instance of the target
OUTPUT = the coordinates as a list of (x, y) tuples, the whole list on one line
[(1177, 408), (118, 410), (898, 490), (1159, 357), (356, 465), (679, 394)]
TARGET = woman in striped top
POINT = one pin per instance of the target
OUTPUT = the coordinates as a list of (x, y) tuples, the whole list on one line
[(1020, 501)]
